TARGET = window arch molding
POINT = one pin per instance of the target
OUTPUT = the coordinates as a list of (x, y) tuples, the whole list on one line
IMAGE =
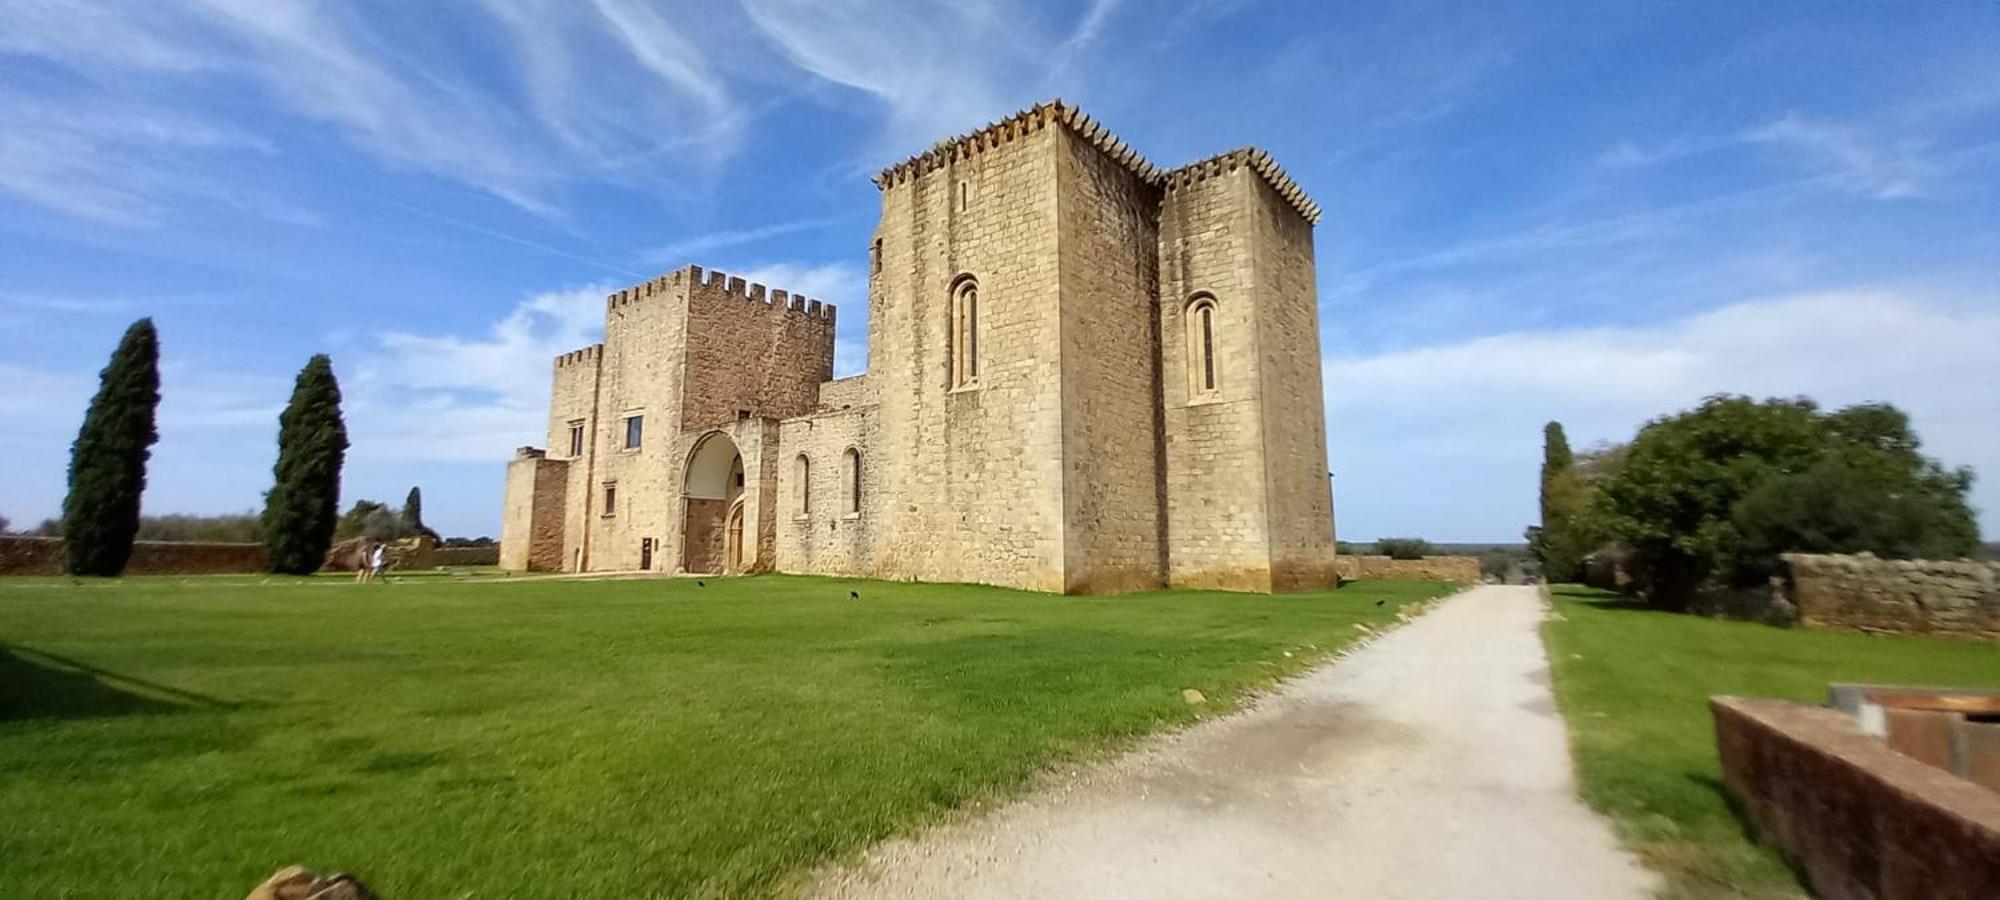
[(850, 460), (1202, 316), (964, 353)]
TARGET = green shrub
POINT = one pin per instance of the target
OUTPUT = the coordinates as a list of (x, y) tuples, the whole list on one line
[(1404, 548), (1706, 496)]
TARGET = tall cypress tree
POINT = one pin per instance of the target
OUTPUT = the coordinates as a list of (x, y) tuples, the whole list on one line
[(1556, 460), (303, 506), (413, 514), (107, 464)]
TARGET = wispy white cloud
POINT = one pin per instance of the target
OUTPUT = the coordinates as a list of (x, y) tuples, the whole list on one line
[(937, 68), (607, 83), (448, 397), (1884, 164), (114, 163), (1447, 437), (1869, 165)]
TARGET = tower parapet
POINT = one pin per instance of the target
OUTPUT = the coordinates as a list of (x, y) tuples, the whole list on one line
[(1259, 162), (586, 355), (1026, 122), (714, 283)]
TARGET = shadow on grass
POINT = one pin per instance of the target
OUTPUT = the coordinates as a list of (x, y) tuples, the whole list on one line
[(1749, 830), (39, 685)]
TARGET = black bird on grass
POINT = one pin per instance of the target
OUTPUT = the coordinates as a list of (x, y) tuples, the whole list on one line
[(1380, 602), (700, 583), (853, 595)]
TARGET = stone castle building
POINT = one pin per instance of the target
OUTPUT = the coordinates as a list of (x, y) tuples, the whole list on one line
[(1086, 374)]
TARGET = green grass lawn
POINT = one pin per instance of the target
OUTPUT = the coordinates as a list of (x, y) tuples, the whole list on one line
[(1634, 686), (184, 737)]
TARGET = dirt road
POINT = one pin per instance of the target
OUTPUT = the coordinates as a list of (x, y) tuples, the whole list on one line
[(1431, 763)]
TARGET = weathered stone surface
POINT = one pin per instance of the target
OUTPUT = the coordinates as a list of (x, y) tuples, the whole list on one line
[(1083, 455), (289, 883), (25, 555), (1858, 819), (296, 883), (1452, 569), (1862, 592)]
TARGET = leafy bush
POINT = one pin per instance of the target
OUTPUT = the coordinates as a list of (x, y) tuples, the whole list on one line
[(376, 521), (1682, 498), (241, 528), (1404, 548), (1841, 506)]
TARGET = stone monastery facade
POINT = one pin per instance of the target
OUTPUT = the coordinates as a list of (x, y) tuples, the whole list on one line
[(1086, 374)]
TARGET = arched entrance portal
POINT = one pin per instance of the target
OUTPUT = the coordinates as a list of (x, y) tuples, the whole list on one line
[(711, 494)]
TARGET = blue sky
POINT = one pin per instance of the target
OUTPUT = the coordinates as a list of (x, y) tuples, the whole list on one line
[(1595, 212)]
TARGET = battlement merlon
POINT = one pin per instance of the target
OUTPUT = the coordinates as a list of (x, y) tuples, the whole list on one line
[(1026, 122), (586, 355), (1257, 161), (1060, 114), (690, 278)]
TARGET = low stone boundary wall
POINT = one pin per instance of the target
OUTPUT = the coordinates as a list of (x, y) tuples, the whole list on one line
[(1454, 569), (1857, 819), (464, 556), (1870, 594), (21, 555)]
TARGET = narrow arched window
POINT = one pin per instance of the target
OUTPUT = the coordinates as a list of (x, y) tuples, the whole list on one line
[(802, 485), (965, 332), (853, 460), (1201, 326)]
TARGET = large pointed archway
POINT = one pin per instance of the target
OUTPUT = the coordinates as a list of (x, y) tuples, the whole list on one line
[(711, 487)]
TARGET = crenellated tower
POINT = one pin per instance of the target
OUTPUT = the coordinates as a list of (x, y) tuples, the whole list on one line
[(1085, 374)]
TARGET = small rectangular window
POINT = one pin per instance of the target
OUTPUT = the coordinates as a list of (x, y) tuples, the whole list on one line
[(575, 439), (610, 499), (635, 431)]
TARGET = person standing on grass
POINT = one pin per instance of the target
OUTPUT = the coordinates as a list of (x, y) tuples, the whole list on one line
[(379, 561), (363, 556)]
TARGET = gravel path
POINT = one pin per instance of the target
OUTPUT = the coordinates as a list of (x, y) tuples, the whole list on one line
[(1430, 763)]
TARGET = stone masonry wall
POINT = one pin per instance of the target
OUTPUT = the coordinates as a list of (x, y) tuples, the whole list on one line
[(1288, 362), (1108, 249), (974, 474), (846, 393), (1452, 569), (752, 350), (532, 516), (573, 400), (643, 370), (1082, 457), (23, 555), (816, 532), (1217, 518), (1870, 594)]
